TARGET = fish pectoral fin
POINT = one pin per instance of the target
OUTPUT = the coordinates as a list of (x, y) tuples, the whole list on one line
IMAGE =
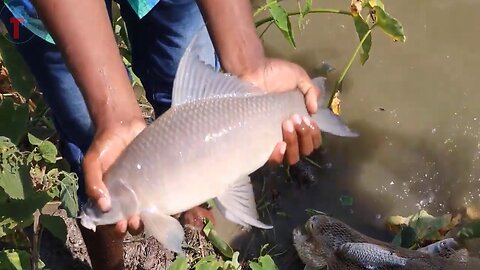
[(329, 122), (237, 204), (166, 229)]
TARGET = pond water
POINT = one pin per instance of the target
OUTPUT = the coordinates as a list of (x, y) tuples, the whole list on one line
[(415, 105)]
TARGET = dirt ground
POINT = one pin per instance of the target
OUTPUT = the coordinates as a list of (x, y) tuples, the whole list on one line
[(140, 252)]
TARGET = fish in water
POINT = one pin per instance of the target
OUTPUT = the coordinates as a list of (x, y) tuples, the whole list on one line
[(327, 242), (218, 131)]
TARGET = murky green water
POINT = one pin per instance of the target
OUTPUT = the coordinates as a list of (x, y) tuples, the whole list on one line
[(415, 106)]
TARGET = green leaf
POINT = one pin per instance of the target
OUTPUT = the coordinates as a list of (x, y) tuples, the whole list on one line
[(255, 266), (34, 140), (16, 182), (307, 6), (427, 227), (56, 226), (406, 238), (53, 192), (346, 200), (22, 79), (233, 263), (68, 194), (208, 263), (7, 226), (13, 120), (376, 3), (216, 241), (469, 231), (313, 212), (362, 29), (126, 53), (21, 210), (180, 263), (3, 196), (264, 263), (389, 25), (17, 238), (48, 151), (281, 19), (16, 260)]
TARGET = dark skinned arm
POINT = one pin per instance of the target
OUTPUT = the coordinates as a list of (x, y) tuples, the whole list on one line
[(90, 51), (83, 33), (234, 36)]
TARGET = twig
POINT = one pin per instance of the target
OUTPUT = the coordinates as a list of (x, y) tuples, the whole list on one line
[(339, 82), (35, 242), (265, 30), (319, 10)]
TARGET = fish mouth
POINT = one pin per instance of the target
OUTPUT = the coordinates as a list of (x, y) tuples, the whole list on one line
[(300, 235), (299, 231)]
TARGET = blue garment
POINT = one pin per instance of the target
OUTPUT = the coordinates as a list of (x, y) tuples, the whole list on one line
[(25, 10), (158, 41)]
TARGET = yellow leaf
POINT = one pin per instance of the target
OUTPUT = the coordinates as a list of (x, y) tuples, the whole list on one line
[(336, 104)]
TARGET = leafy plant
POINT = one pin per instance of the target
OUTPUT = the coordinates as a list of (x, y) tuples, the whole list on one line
[(366, 16), (29, 180), (420, 228)]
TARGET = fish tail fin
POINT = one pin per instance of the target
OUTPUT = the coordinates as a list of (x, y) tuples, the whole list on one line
[(329, 122)]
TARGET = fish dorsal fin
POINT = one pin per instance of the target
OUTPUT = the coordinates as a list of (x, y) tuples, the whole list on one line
[(237, 204), (197, 80)]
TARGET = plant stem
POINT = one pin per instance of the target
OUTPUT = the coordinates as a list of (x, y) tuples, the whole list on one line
[(35, 242), (339, 82), (265, 30), (318, 10)]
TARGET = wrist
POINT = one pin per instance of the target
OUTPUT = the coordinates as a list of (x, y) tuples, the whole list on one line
[(116, 111), (246, 58)]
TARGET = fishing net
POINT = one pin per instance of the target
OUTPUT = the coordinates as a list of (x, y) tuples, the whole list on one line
[(327, 242)]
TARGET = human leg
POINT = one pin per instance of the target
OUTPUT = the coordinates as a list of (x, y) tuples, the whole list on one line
[(158, 42)]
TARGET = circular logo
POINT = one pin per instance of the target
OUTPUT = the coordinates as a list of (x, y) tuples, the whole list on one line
[(13, 28)]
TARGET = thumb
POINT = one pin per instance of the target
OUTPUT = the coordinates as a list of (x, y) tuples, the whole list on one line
[(95, 188)]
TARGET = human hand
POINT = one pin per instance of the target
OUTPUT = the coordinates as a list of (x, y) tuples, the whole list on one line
[(301, 135), (107, 145)]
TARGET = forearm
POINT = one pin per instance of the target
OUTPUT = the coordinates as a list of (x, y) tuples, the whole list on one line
[(233, 33), (83, 33)]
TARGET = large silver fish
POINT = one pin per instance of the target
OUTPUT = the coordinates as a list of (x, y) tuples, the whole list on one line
[(327, 243), (218, 131)]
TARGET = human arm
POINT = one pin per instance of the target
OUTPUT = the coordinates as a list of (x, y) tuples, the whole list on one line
[(241, 52), (96, 65)]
